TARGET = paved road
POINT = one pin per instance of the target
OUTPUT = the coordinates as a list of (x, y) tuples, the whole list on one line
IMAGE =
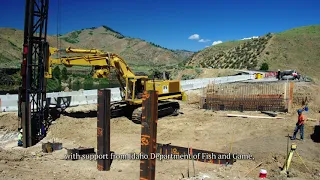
[(271, 79)]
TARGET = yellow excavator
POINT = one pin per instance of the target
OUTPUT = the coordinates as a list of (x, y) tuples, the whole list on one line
[(131, 86)]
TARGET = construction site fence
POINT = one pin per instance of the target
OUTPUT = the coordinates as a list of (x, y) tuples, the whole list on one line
[(9, 102), (247, 97)]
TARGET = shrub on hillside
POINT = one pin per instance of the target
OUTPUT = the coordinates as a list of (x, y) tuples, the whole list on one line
[(264, 66), (245, 55), (187, 76), (198, 71), (64, 73), (88, 84), (53, 84), (56, 73)]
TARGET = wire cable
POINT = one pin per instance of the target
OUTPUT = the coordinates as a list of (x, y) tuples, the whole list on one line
[(58, 26)]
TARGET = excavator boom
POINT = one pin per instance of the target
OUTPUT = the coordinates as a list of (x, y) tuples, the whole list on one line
[(94, 58)]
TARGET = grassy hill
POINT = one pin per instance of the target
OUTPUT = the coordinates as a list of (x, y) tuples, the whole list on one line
[(134, 51), (296, 48), (209, 52)]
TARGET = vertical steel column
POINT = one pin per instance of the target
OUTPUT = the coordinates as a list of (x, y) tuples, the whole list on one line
[(103, 129), (149, 134), (33, 92)]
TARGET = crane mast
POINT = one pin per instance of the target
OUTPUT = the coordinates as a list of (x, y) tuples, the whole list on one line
[(32, 93)]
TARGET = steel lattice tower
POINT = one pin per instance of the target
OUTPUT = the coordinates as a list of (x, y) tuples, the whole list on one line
[(32, 94)]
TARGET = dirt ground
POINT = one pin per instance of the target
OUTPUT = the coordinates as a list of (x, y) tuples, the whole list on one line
[(264, 139)]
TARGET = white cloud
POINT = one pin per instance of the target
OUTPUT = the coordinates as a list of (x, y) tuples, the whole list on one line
[(194, 37), (207, 46), (216, 42), (253, 37), (204, 40)]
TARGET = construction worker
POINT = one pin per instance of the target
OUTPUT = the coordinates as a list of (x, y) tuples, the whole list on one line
[(299, 125), (20, 138), (279, 74)]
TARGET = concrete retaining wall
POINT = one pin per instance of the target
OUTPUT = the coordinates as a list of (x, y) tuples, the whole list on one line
[(10, 102)]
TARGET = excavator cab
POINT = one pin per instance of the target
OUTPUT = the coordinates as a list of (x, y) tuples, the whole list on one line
[(135, 87), (139, 88)]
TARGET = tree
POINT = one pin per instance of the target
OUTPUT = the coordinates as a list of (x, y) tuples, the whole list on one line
[(64, 73), (88, 84), (264, 66), (56, 73), (53, 85), (155, 73), (76, 85)]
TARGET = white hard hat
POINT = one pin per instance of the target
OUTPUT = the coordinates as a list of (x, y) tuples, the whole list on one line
[(21, 130)]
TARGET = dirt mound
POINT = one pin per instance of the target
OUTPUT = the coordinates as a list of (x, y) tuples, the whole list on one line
[(194, 96), (73, 132), (82, 108), (307, 93), (9, 121), (11, 155)]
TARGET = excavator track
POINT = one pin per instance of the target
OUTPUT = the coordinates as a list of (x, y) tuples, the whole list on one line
[(165, 108), (118, 109)]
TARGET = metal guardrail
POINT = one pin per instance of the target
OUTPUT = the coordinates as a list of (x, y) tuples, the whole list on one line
[(9, 102)]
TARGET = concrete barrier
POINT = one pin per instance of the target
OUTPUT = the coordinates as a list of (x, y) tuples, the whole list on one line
[(200, 83), (9, 102)]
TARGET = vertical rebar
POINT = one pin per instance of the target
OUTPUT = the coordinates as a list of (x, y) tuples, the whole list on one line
[(149, 135), (103, 129), (291, 85)]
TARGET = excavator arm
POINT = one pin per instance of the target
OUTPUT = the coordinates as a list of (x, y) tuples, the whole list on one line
[(94, 58)]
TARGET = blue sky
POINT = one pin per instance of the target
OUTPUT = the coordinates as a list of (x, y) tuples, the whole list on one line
[(170, 23)]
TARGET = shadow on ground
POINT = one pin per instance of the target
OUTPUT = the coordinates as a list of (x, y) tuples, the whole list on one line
[(316, 134), (89, 114)]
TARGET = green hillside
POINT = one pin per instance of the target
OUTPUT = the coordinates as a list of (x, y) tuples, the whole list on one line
[(296, 48), (134, 50)]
